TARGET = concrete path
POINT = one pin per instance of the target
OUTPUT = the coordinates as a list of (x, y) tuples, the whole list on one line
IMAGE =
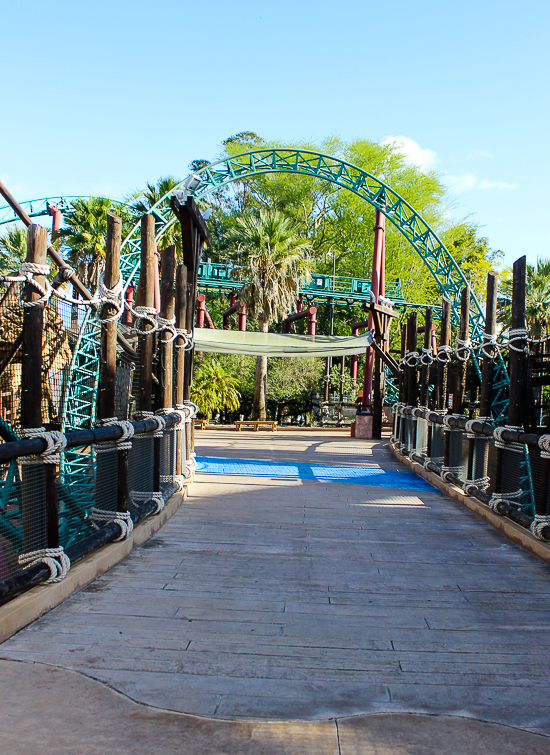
[(267, 598)]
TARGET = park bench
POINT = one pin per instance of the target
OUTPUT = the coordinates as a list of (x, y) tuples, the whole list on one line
[(256, 423), (200, 424)]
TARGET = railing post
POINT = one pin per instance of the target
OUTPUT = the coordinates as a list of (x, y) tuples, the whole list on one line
[(443, 366), (181, 308), (462, 366), (39, 512), (147, 299), (426, 368), (488, 361), (168, 453), (412, 387)]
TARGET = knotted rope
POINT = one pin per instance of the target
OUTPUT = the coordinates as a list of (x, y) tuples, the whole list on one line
[(111, 296), (55, 443), (169, 325), (510, 445), (55, 558), (489, 340), (544, 445), (27, 270), (427, 356), (411, 358), (124, 442), (538, 524), (518, 334), (463, 349), (444, 354), (122, 518), (479, 483)]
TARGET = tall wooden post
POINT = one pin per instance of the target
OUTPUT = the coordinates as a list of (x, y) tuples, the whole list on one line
[(39, 517), (107, 372), (167, 313), (412, 388), (490, 328), (426, 368), (462, 366), (147, 299), (443, 367), (180, 311), (518, 361)]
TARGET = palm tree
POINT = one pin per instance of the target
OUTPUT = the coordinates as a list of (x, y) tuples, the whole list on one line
[(142, 201), (13, 249), (214, 388), (84, 235), (275, 260), (537, 300)]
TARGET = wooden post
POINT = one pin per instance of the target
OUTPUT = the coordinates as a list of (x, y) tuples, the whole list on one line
[(167, 312), (490, 328), (412, 387), (462, 367), (181, 308), (111, 276), (518, 358), (443, 367), (147, 299), (426, 368), (40, 525)]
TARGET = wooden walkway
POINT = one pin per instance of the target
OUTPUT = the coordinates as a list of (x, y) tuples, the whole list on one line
[(288, 599)]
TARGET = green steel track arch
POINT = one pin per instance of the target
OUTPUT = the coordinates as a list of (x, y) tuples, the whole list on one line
[(414, 228)]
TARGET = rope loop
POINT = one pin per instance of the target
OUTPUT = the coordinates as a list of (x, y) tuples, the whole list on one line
[(27, 270), (538, 525), (124, 442), (411, 358), (446, 471), (55, 558), (473, 486), (122, 518), (427, 356), (55, 443), (144, 315), (544, 445), (518, 334), (509, 445), (444, 354), (509, 498), (112, 297), (489, 340), (169, 325), (463, 349)]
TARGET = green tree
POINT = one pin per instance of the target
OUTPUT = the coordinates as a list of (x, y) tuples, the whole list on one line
[(142, 201), (84, 234), (214, 388), (290, 381), (13, 249), (537, 299), (275, 259)]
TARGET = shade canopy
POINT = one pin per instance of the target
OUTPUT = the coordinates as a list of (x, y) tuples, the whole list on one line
[(277, 344)]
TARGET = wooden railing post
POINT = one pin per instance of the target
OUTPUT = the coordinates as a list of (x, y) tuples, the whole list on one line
[(180, 311), (167, 313), (462, 366), (147, 299), (39, 512), (488, 361), (443, 366), (426, 368)]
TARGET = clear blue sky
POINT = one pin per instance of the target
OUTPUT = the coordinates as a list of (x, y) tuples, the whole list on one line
[(101, 97)]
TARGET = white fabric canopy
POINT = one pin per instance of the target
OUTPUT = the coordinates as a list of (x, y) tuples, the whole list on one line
[(277, 344)]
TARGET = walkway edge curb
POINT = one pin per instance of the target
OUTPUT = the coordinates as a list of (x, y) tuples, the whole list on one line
[(29, 606), (516, 534)]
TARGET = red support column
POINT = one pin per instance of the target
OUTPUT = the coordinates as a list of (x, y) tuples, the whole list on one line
[(312, 321), (129, 297), (232, 302), (353, 362), (201, 310), (242, 316)]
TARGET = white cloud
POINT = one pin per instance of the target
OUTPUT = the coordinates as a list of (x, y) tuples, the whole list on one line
[(413, 153), (470, 182), (486, 185), (480, 154)]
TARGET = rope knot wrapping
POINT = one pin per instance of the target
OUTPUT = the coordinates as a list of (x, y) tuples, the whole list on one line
[(168, 325), (161, 424), (463, 349), (55, 443), (470, 432), (187, 344), (55, 558), (489, 340), (185, 413), (144, 315), (479, 483), (427, 356), (417, 412), (122, 518), (111, 296), (446, 471), (193, 407), (444, 354), (28, 269), (411, 358), (537, 526), (518, 334), (124, 442), (509, 498), (544, 445), (509, 445)]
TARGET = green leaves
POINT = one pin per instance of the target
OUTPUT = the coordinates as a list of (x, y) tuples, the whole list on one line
[(13, 249), (214, 388)]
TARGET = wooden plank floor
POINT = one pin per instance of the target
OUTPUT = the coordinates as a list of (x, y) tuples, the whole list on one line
[(297, 599)]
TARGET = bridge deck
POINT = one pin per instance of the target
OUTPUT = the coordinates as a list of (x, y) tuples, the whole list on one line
[(300, 598)]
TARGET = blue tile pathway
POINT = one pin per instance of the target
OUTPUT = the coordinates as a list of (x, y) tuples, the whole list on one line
[(373, 476)]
